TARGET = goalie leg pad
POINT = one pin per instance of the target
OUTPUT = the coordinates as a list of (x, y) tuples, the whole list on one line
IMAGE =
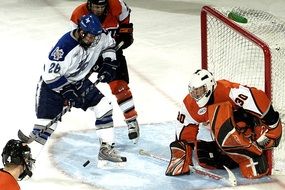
[(251, 166), (210, 156), (181, 158)]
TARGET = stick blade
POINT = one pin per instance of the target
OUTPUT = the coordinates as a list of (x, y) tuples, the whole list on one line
[(232, 178), (24, 138)]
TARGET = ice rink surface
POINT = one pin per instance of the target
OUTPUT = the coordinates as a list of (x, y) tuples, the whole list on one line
[(166, 50)]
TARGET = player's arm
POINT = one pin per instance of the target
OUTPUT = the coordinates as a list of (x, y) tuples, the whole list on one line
[(56, 75), (269, 135), (124, 17), (257, 103), (55, 69), (109, 67), (120, 9), (77, 13), (125, 30)]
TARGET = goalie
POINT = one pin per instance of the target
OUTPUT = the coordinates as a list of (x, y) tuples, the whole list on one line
[(243, 125)]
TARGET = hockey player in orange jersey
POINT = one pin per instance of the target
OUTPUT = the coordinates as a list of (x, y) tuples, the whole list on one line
[(17, 161), (114, 16), (242, 121)]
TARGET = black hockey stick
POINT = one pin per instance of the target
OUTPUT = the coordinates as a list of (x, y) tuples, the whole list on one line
[(230, 180), (24, 138)]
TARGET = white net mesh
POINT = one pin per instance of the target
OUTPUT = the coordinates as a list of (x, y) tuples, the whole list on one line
[(233, 55)]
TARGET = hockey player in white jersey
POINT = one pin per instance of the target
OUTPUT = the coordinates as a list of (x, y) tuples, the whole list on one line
[(64, 80)]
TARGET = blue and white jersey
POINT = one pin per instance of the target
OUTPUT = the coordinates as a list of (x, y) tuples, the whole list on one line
[(68, 62)]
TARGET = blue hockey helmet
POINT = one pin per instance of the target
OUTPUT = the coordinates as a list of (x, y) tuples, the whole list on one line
[(90, 24)]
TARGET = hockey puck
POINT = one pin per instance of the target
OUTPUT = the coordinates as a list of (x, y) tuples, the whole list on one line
[(86, 163), (237, 17)]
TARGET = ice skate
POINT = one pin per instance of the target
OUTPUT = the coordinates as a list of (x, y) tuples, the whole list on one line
[(108, 156), (133, 130)]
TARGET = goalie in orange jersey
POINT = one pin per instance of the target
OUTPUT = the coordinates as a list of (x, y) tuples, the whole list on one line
[(243, 125), (114, 16)]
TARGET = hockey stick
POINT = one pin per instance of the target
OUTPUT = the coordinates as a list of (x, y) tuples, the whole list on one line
[(24, 138), (230, 180), (66, 109)]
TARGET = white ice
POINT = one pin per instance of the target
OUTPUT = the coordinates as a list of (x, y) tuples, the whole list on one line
[(166, 50)]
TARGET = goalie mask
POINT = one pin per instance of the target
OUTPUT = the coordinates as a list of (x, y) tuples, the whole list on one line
[(15, 153), (201, 86), (90, 30)]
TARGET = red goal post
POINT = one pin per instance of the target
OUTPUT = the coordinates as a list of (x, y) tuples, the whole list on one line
[(251, 52)]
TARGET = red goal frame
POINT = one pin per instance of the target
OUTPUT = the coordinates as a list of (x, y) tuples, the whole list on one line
[(207, 10)]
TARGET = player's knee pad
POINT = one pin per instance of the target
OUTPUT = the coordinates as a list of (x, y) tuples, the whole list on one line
[(124, 97), (120, 89), (40, 133), (104, 113), (181, 158), (210, 156), (103, 108)]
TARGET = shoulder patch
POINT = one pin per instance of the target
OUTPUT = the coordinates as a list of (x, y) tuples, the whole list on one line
[(57, 54)]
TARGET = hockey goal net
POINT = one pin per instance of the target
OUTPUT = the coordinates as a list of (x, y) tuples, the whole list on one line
[(248, 46)]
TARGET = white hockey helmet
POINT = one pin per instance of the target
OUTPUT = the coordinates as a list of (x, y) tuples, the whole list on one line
[(201, 86)]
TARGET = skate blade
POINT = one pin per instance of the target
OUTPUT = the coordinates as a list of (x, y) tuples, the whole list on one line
[(105, 164), (135, 141)]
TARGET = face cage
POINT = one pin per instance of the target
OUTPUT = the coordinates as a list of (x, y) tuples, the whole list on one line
[(28, 166), (198, 93), (86, 46), (90, 6)]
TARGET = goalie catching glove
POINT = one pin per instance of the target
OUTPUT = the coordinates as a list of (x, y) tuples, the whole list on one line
[(266, 131), (268, 136), (181, 158), (107, 72), (125, 34)]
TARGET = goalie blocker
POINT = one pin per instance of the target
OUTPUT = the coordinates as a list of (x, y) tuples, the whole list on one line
[(236, 135)]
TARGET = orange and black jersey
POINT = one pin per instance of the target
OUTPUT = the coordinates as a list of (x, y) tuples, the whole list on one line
[(7, 181), (117, 13), (249, 98)]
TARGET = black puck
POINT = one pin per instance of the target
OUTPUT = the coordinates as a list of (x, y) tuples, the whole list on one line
[(86, 163)]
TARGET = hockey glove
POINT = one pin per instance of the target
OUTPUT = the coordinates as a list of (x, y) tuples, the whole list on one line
[(268, 136), (70, 93), (108, 70), (125, 34)]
